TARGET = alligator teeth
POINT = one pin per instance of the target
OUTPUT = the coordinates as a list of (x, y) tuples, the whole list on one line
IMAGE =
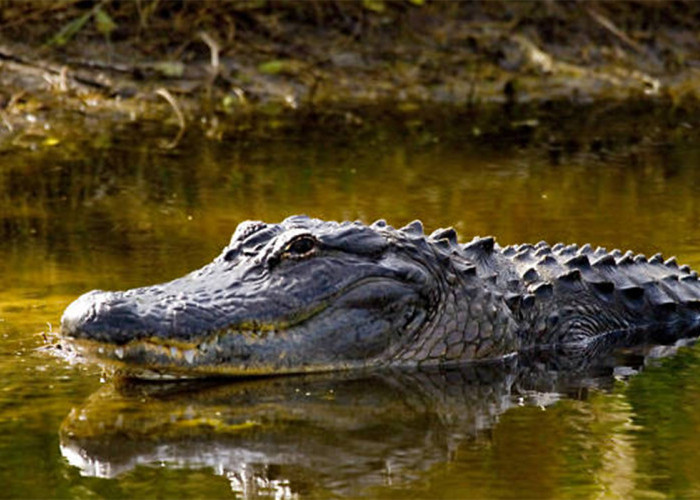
[(189, 355), (175, 352), (203, 347), (162, 350), (119, 351)]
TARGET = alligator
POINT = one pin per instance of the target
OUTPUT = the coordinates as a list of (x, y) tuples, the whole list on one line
[(308, 295)]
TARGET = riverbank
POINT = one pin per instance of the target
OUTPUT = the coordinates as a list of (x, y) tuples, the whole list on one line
[(214, 65)]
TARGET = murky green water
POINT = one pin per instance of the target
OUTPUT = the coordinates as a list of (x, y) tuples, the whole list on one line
[(109, 208)]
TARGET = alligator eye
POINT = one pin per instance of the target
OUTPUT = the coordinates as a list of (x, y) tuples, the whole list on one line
[(300, 247)]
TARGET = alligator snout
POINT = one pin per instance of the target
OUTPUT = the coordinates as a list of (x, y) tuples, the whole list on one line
[(104, 317), (148, 312)]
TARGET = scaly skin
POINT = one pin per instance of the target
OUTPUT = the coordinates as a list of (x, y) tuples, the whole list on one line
[(309, 295)]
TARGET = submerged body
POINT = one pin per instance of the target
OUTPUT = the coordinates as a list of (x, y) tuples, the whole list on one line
[(310, 295)]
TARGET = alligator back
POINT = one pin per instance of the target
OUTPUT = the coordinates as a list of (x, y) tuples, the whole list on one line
[(568, 294)]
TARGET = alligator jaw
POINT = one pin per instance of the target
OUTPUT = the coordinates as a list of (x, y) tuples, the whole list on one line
[(229, 352), (250, 347), (157, 359)]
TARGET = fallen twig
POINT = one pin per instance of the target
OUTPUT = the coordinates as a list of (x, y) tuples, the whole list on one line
[(162, 92), (617, 32), (25, 65), (214, 48)]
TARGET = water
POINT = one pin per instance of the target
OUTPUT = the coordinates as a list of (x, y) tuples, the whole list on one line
[(85, 205)]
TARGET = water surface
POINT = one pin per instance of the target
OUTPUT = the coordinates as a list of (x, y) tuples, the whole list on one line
[(106, 206)]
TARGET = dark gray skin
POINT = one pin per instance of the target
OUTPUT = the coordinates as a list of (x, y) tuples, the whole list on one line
[(309, 295)]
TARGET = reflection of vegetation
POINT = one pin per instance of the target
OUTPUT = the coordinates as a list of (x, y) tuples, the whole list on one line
[(640, 440), (666, 405), (115, 191)]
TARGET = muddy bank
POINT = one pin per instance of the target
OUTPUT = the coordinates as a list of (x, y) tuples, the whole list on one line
[(206, 64)]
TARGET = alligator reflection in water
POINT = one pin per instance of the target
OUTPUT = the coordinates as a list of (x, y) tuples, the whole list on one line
[(338, 433)]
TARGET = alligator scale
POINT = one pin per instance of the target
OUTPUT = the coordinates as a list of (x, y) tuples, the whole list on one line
[(309, 295)]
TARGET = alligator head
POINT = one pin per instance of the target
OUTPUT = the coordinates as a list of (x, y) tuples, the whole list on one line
[(302, 295)]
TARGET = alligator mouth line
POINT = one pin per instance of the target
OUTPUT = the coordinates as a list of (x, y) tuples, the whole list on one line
[(155, 357), (158, 358), (149, 360)]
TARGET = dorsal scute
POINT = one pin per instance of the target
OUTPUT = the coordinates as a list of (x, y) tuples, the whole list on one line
[(509, 251), (626, 260), (542, 251), (531, 275), (523, 255), (443, 244), (569, 249), (481, 245), (465, 268), (512, 300), (604, 261), (413, 228), (541, 289), (585, 249), (579, 262), (527, 301), (657, 258), (547, 261), (640, 259), (448, 234), (569, 277)]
